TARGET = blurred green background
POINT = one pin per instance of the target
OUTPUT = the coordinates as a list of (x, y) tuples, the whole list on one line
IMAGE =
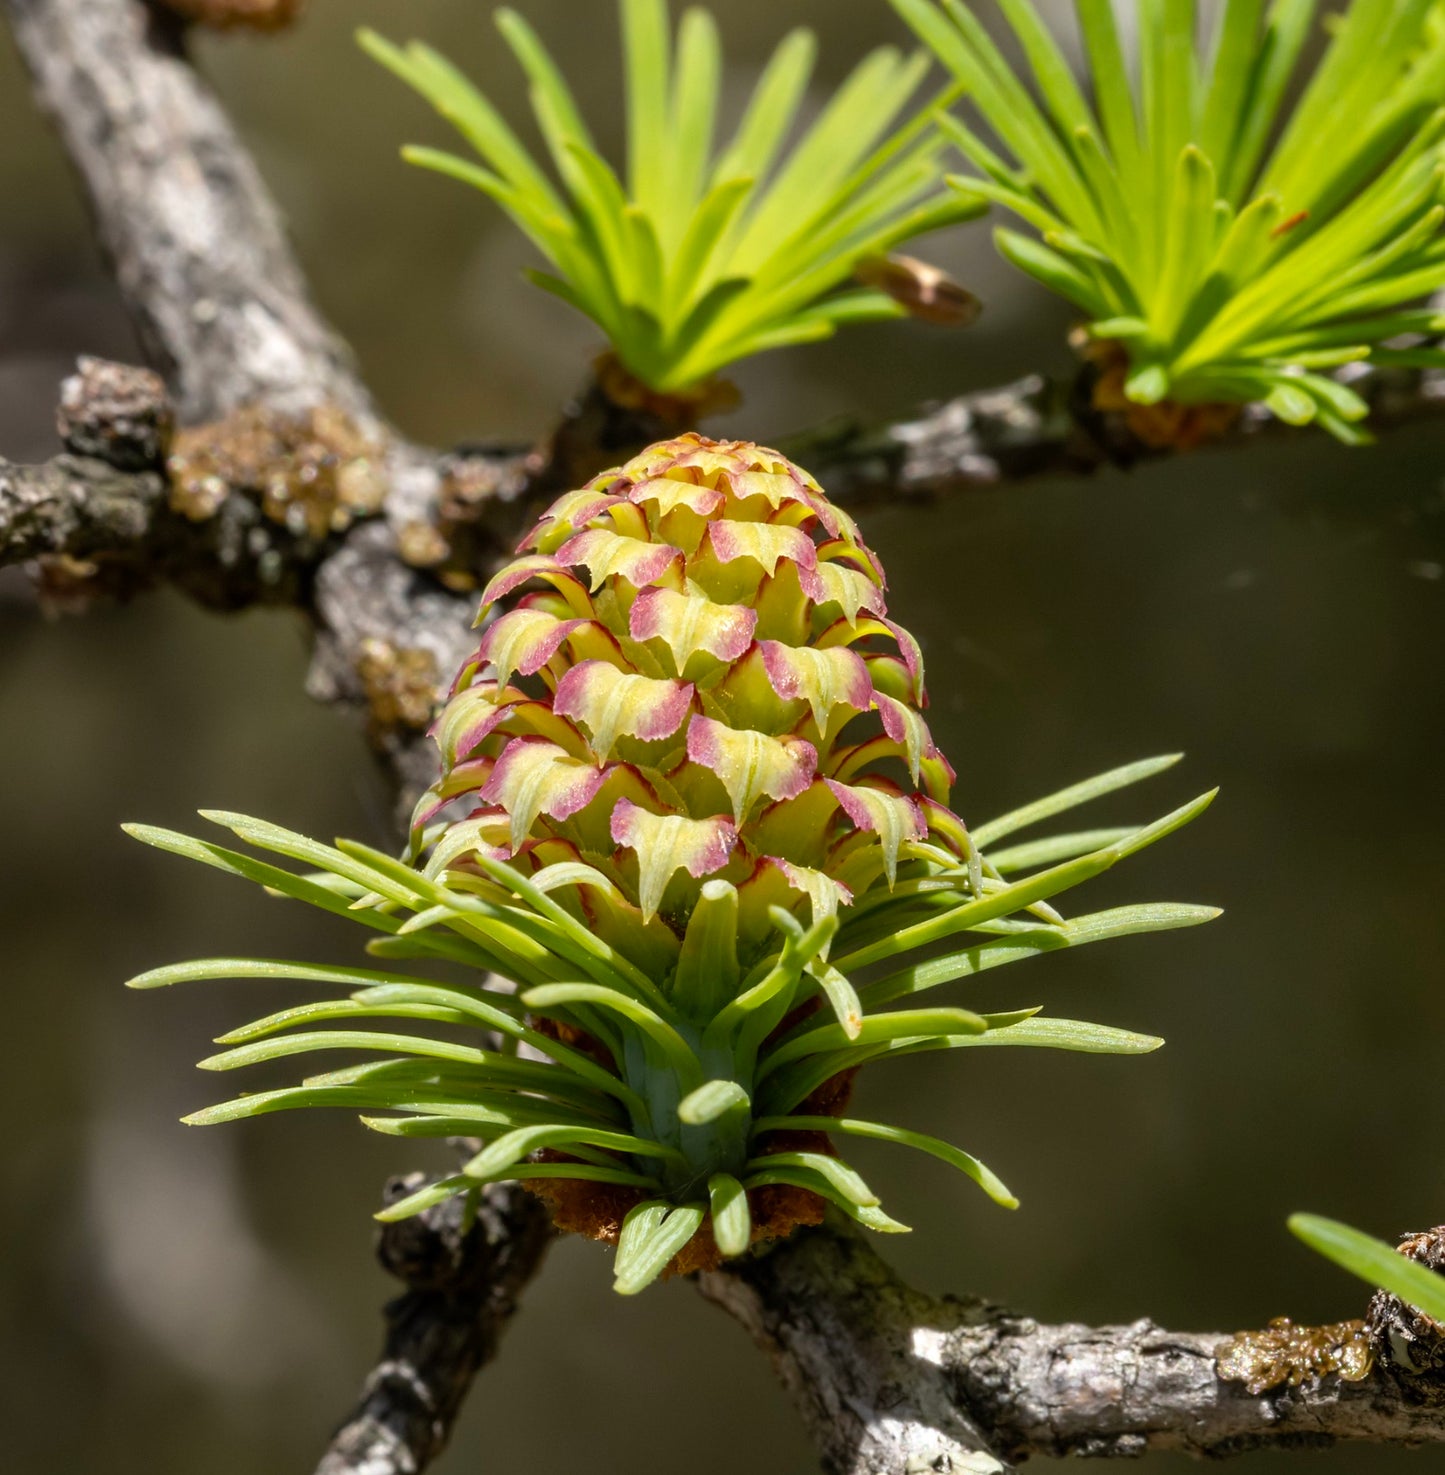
[(176, 1301)]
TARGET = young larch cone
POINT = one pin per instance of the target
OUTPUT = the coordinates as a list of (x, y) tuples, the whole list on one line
[(695, 678), (689, 805)]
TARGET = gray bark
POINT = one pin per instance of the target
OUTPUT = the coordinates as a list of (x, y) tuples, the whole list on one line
[(463, 1286), (193, 235), (891, 1381), (75, 505)]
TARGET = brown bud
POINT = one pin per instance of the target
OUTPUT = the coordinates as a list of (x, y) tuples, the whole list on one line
[(924, 291)]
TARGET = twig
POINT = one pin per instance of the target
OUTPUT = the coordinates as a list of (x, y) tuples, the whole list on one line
[(891, 1381), (194, 238), (106, 510), (75, 506), (1038, 427), (463, 1285), (1016, 431)]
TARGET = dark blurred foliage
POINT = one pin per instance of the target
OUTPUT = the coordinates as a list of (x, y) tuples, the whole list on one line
[(179, 1301)]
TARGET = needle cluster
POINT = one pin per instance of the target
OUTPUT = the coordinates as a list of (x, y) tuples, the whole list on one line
[(699, 253), (1235, 222)]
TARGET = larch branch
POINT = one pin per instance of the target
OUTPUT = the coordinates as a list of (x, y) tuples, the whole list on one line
[(890, 1381)]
